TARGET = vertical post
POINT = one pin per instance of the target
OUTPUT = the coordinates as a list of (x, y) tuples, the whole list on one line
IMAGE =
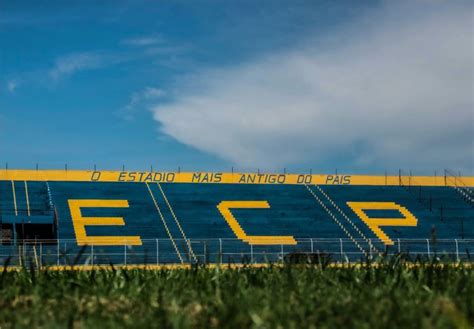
[(399, 249), (157, 252), (428, 247), (24, 252), (312, 247), (370, 248), (340, 242), (36, 256), (457, 250), (125, 253), (57, 263), (251, 253), (205, 252), (281, 253), (65, 253), (92, 255), (189, 250), (41, 254), (220, 251)]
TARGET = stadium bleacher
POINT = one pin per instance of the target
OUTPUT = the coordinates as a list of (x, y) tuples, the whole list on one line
[(98, 218)]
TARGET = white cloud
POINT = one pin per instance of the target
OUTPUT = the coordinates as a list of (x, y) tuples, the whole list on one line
[(143, 41), (72, 63), (394, 89), (12, 85), (139, 98)]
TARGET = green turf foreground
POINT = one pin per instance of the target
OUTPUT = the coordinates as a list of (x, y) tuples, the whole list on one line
[(385, 296)]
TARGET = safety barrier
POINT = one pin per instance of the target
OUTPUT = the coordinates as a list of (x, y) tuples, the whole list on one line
[(160, 251)]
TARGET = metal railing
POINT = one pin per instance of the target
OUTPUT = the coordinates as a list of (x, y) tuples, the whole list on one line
[(161, 251), (459, 185)]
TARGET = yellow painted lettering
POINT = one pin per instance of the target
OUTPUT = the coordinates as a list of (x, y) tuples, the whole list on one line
[(80, 222), (375, 223), (224, 208)]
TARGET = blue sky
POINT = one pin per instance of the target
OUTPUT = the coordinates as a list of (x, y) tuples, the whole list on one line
[(359, 86)]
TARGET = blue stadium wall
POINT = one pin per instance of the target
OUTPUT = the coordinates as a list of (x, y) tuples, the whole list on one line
[(158, 222)]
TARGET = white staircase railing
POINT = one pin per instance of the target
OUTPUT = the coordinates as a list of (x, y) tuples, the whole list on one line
[(455, 181)]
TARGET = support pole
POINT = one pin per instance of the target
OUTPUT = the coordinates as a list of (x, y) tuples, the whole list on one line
[(220, 251), (342, 251), (457, 250), (251, 253), (125, 253), (41, 255), (157, 252)]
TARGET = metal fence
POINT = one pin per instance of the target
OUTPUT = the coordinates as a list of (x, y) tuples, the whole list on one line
[(203, 251)]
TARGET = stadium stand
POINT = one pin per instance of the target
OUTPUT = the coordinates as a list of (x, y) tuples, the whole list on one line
[(66, 218)]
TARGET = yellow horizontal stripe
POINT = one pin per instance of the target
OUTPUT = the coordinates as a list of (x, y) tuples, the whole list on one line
[(229, 178), (225, 266)]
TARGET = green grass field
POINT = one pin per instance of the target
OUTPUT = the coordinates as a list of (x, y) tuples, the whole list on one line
[(392, 295)]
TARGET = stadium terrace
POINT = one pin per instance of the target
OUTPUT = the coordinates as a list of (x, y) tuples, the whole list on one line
[(59, 217)]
